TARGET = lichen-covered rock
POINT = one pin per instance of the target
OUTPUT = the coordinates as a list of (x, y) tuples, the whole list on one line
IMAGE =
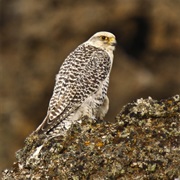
[(144, 143)]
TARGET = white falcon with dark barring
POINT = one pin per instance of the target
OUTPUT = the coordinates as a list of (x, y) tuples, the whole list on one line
[(81, 85)]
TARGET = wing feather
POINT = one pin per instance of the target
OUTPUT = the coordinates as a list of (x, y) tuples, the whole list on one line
[(81, 81)]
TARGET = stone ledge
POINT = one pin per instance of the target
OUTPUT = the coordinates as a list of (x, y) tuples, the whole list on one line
[(144, 143)]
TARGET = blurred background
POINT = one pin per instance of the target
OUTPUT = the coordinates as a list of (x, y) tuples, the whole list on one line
[(36, 36)]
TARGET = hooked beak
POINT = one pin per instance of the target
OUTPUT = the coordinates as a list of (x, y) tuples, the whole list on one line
[(113, 44)]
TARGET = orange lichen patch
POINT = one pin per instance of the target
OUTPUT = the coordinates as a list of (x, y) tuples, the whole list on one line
[(170, 102), (99, 144), (87, 143), (119, 133)]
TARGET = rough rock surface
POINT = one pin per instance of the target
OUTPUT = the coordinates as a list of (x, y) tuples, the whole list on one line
[(144, 143)]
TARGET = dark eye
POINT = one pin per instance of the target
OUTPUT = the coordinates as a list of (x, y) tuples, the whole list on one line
[(103, 37)]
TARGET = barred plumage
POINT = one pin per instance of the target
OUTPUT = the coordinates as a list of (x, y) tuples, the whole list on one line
[(81, 85)]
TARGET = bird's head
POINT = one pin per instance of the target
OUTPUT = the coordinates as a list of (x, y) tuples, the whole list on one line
[(104, 40)]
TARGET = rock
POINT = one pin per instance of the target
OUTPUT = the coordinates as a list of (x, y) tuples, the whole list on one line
[(144, 143)]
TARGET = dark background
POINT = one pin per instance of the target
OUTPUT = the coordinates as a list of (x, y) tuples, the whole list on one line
[(36, 36)]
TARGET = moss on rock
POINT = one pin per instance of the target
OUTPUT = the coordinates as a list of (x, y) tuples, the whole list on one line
[(144, 143)]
